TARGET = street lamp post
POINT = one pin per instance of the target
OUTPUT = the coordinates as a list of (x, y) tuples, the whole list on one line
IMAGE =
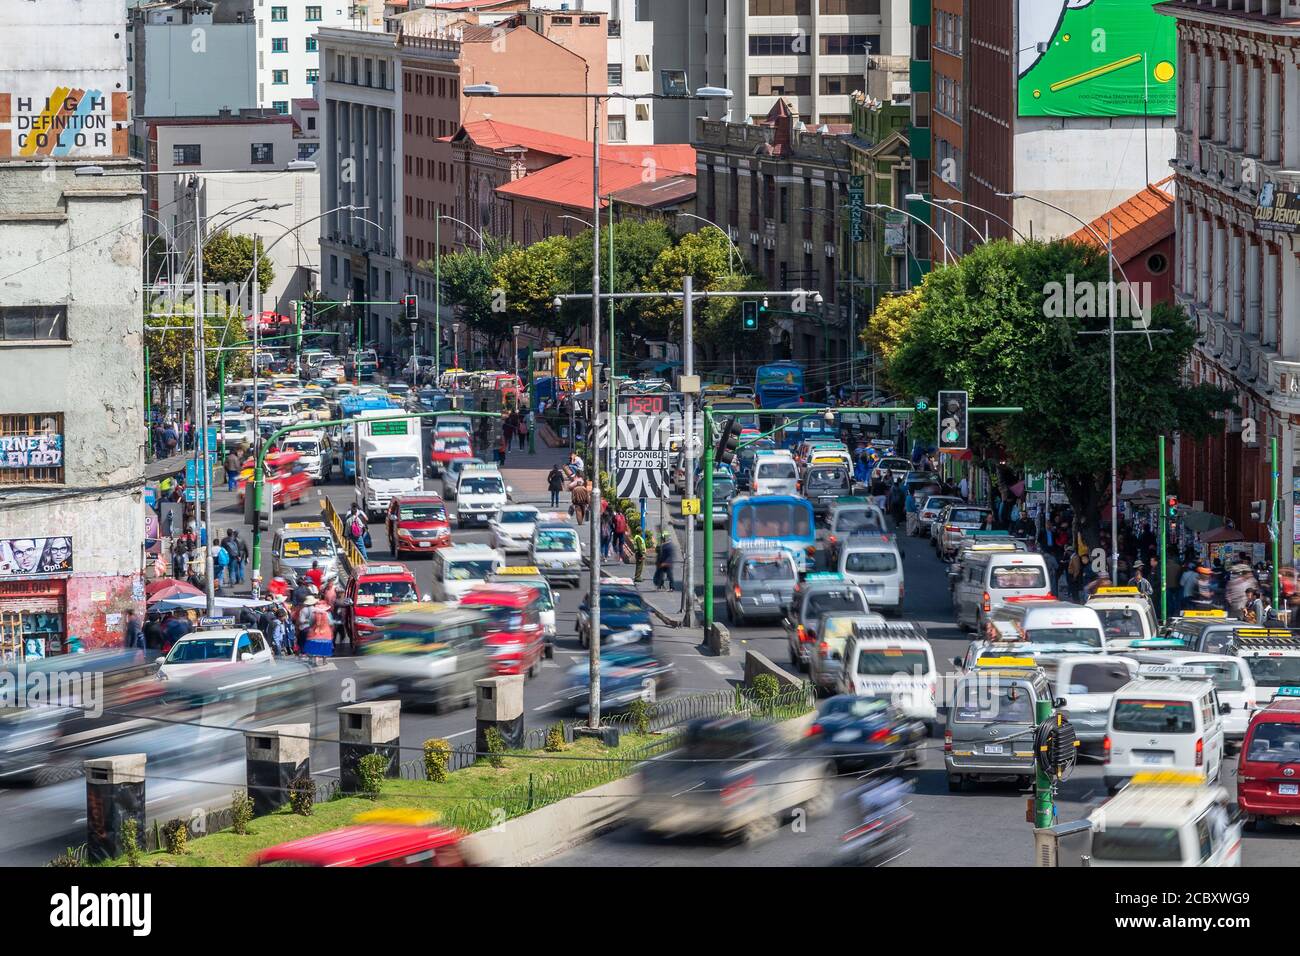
[(970, 205), (917, 197), (911, 215), (455, 347), (437, 285)]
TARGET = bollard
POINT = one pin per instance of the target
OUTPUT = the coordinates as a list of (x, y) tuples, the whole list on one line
[(374, 728), (500, 705), (276, 756), (114, 794), (609, 736)]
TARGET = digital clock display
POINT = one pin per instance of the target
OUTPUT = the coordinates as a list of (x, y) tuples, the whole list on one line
[(645, 404)]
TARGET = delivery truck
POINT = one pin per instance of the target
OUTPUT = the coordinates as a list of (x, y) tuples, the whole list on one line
[(389, 460)]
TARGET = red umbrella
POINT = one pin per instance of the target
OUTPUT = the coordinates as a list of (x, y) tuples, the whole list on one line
[(157, 585), (173, 591)]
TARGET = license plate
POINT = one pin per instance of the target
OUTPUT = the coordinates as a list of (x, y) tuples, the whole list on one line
[(767, 598), (845, 735), (1288, 789), (993, 748), (425, 544), (873, 588), (1153, 759)]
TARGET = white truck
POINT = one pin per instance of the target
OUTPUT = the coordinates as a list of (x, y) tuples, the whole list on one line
[(390, 459)]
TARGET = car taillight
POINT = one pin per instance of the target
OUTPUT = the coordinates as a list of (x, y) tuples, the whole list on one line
[(947, 741), (986, 602), (1200, 752), (879, 735), (823, 647), (831, 539), (951, 527), (736, 589), (813, 730), (736, 791), (803, 633), (811, 550)]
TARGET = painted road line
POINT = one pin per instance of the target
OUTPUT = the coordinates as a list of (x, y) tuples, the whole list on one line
[(718, 668), (548, 705)]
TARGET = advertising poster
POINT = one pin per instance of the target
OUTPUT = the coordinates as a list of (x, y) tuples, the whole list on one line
[(1096, 58), (34, 557), (1277, 209)]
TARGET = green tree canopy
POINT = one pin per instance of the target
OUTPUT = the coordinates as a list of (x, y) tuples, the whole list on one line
[(228, 258), (169, 337)]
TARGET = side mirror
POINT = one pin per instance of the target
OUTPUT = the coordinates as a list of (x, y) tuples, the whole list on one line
[(1225, 707), (159, 660), (1058, 702), (957, 661), (244, 656)]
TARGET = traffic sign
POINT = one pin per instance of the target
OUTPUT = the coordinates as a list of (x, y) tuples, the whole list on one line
[(690, 506), (643, 456)]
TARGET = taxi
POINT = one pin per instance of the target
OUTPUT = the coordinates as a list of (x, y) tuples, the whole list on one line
[(1166, 818), (1126, 616), (417, 523), (533, 577), (449, 447), (285, 476), (1273, 656), (1200, 630), (298, 544), (371, 594), (991, 723), (514, 638)]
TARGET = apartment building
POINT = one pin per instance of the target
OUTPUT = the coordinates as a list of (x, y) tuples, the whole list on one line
[(288, 51)]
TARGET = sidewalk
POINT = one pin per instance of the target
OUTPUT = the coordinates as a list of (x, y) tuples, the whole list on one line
[(527, 473)]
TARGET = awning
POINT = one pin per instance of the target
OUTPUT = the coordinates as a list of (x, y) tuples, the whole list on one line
[(1140, 493), (199, 602), (1223, 534), (1202, 521)]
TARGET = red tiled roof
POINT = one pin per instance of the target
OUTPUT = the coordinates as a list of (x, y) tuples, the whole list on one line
[(469, 4), (491, 134), (1138, 223), (568, 183), (306, 103), (661, 192)]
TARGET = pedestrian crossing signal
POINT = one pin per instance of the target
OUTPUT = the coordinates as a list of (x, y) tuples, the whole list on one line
[(749, 316), (954, 420)]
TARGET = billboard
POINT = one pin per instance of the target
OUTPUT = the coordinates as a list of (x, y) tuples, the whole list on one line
[(1096, 58), (34, 557), (1277, 209)]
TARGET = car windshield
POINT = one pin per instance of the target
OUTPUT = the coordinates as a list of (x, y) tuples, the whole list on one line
[(469, 570), (822, 602), (966, 516), (767, 569), (772, 519), (827, 478), (386, 592), (934, 504), (201, 649), (422, 513), (855, 706), (1120, 622), (1064, 635), (1017, 576), (454, 444), (304, 446), (1137, 845), (1275, 742), (518, 517), (1275, 671), (871, 562), (391, 468), (307, 547), (1226, 673), (776, 470), (556, 541), (979, 703), (1154, 716), (723, 488), (620, 601), (315, 403), (859, 519), (1098, 678), (892, 661), (480, 486)]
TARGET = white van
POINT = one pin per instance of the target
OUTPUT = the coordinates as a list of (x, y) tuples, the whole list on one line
[(775, 474), (1156, 723), (314, 453), (481, 493), (1232, 680), (1087, 683), (1126, 616), (894, 661), (1166, 819), (874, 563), (452, 423), (988, 578), (461, 567), (1050, 629)]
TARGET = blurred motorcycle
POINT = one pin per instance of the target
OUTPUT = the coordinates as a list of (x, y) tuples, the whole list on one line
[(883, 835)]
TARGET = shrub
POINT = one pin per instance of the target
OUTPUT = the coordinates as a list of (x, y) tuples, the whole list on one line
[(176, 834), (437, 752), (241, 811), (555, 738), (68, 857), (302, 795), (131, 841), (371, 770), (496, 746), (766, 691), (639, 711)]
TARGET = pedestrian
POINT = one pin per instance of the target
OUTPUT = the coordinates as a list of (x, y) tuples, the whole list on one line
[(241, 557), (316, 576), (1256, 607), (170, 440), (1075, 572), (354, 527), (153, 633), (667, 557), (134, 635), (963, 488), (656, 544), (606, 531), (618, 535), (1053, 569), (503, 444), (320, 630), (233, 566), (1140, 582), (177, 626), (638, 554), (911, 510), (554, 483), (220, 564), (580, 501), (576, 463), (522, 425), (178, 559), (232, 469), (276, 635)]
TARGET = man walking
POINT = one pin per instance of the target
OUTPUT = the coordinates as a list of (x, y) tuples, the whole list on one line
[(232, 469), (580, 500), (134, 636), (354, 526), (618, 537), (667, 557), (554, 484)]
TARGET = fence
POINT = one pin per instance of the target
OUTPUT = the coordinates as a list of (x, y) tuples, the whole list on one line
[(350, 553)]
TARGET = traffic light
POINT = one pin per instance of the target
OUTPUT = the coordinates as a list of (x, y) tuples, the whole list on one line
[(728, 442), (954, 421), (922, 405), (1171, 506), (749, 315), (308, 311), (1259, 511), (412, 303)]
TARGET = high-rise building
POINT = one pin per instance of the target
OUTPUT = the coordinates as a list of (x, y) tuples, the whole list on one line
[(288, 53)]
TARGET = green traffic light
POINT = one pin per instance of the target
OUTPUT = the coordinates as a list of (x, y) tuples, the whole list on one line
[(922, 405)]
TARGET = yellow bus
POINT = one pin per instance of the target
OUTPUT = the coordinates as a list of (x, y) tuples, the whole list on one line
[(557, 363)]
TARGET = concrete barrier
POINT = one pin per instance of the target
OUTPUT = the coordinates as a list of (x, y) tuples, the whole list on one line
[(718, 639), (756, 663)]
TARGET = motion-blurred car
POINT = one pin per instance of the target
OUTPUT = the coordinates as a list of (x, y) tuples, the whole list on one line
[(451, 475), (511, 531), (449, 447), (370, 845), (819, 593), (865, 732), (623, 611), (200, 650), (514, 634), (427, 654), (627, 673)]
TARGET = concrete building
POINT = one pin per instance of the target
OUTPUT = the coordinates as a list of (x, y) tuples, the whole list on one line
[(758, 181), (1238, 235), (288, 55), (307, 127), (192, 57), (72, 526)]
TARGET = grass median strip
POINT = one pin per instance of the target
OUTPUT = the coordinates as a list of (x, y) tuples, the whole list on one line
[(472, 799)]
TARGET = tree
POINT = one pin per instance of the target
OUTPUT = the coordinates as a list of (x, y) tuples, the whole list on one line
[(228, 258), (469, 286), (988, 324), (526, 281), (884, 329), (707, 257), (169, 338)]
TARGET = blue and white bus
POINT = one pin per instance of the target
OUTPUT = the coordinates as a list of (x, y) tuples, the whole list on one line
[(782, 522), (780, 383), (804, 422)]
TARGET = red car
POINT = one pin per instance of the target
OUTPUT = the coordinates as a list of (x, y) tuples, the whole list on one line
[(514, 637), (417, 523), (371, 845), (289, 481), (371, 593), (1268, 770), (448, 447)]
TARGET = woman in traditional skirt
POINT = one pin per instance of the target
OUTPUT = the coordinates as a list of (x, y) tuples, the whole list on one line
[(320, 638)]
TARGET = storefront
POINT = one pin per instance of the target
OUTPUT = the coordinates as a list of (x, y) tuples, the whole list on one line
[(33, 619)]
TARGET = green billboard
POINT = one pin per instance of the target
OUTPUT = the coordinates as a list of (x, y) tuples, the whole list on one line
[(1096, 58)]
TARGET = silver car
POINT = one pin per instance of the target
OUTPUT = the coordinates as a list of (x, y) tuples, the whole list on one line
[(297, 545), (760, 585), (451, 475)]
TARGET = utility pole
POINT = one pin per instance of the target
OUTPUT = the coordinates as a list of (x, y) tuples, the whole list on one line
[(1275, 526), (1044, 810), (201, 470), (688, 447), (1164, 538), (593, 453)]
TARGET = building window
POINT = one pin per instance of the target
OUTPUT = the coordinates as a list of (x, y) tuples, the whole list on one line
[(643, 112), (311, 124), (187, 155), (780, 85), (562, 21), (312, 15), (280, 106), (837, 84), (313, 76), (279, 14), (588, 21), (642, 11), (850, 8), (307, 150), (383, 74), (311, 44), (280, 45), (617, 129), (1157, 263), (778, 44), (615, 28), (263, 153), (33, 323), (642, 63), (279, 77), (850, 44), (780, 8), (334, 268), (31, 449), (614, 72)]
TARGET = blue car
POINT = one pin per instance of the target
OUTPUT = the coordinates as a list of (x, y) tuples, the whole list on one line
[(865, 732), (623, 614), (627, 674)]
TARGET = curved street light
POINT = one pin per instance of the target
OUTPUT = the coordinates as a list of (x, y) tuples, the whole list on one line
[(917, 197), (730, 242)]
